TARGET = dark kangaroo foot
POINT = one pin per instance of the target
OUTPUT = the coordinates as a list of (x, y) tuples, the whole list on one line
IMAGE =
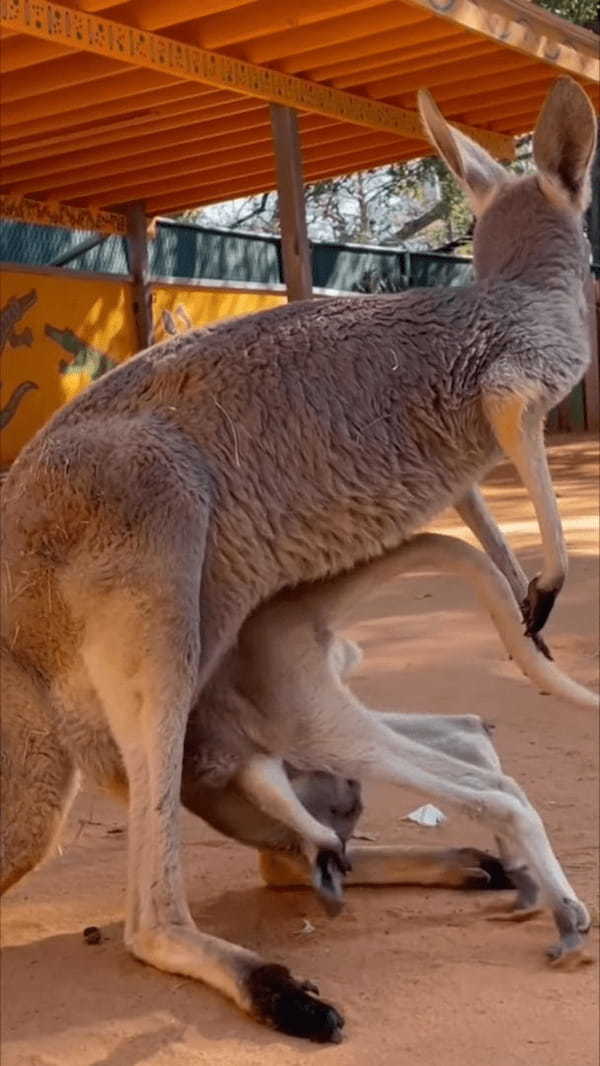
[(292, 1006), (486, 872), (536, 610)]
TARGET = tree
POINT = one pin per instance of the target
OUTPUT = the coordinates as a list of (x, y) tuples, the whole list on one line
[(415, 205)]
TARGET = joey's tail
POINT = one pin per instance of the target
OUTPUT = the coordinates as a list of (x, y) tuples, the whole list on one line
[(438, 552)]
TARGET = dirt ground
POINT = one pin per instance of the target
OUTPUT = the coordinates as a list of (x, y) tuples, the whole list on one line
[(422, 976)]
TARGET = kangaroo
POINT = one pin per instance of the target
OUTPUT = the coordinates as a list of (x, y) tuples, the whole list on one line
[(217, 782), (294, 824), (154, 513)]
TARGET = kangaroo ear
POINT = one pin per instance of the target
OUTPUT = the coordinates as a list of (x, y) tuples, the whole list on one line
[(564, 142), (475, 169)]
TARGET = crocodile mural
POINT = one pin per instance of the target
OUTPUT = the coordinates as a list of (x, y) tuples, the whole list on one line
[(85, 359), (10, 317), (10, 407)]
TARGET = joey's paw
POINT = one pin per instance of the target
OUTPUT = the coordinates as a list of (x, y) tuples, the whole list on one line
[(537, 606), (277, 1000), (484, 871), (328, 873)]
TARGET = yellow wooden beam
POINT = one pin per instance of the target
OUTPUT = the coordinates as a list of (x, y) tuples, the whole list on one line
[(154, 14), (267, 17), (113, 157), (201, 169), (22, 52), (420, 56), (327, 62), (170, 201), (61, 74), (468, 92), (49, 213), (56, 107), (222, 140), (525, 28), (482, 65), (109, 130), (143, 14), (299, 40), (161, 54), (422, 60), (513, 101), (517, 110)]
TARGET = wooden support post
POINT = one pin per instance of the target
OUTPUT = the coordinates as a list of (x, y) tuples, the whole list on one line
[(592, 377), (297, 271), (137, 257)]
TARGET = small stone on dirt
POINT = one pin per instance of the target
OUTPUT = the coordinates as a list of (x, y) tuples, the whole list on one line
[(92, 935)]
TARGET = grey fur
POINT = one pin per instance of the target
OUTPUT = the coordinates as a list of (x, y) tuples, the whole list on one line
[(153, 514)]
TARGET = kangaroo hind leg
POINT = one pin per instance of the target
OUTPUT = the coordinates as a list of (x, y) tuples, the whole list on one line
[(142, 652), (38, 779)]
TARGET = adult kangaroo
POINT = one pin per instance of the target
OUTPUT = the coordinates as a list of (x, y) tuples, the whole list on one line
[(156, 511)]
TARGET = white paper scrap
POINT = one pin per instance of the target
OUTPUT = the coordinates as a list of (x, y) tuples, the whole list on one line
[(426, 815)]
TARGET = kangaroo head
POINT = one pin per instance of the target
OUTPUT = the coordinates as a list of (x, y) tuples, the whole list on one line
[(521, 219)]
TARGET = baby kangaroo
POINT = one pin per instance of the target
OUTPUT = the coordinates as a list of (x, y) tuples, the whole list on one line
[(153, 515), (277, 711), (301, 820)]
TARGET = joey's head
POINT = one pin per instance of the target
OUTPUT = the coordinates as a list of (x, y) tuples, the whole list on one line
[(527, 228), (334, 801)]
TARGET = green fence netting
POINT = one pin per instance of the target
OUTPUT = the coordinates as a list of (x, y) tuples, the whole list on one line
[(193, 253), (204, 253)]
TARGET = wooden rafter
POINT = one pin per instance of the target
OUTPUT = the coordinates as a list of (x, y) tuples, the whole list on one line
[(175, 201), (196, 179), (153, 53), (195, 170), (298, 41), (526, 29), (154, 106), (218, 143), (328, 62), (51, 213)]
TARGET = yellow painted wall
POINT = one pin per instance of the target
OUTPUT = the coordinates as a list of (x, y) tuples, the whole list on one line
[(59, 332), (54, 331), (176, 310)]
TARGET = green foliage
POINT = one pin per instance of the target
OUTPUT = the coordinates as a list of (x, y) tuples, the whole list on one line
[(581, 12)]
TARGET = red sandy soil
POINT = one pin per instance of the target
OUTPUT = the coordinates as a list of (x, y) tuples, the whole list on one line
[(422, 976)]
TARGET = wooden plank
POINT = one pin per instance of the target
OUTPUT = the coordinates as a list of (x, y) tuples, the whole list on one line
[(63, 74), (349, 58), (592, 377), (265, 17), (48, 213), (295, 250), (525, 28), (39, 141), (298, 40), (169, 201), (151, 174), (150, 52), (137, 255)]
